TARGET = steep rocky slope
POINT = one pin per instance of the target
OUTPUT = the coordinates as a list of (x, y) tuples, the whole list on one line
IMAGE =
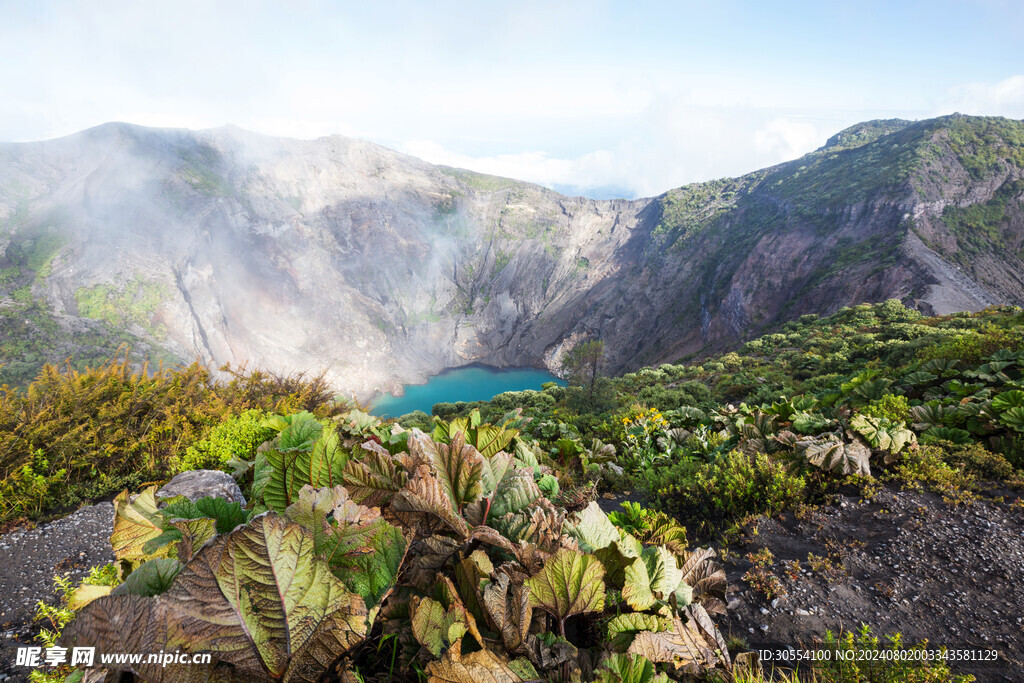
[(341, 255)]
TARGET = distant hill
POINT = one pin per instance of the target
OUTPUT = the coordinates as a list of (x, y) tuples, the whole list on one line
[(339, 254)]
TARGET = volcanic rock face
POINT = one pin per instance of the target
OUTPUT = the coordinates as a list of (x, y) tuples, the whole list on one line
[(341, 255)]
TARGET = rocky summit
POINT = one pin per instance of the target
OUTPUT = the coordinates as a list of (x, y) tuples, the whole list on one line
[(382, 269)]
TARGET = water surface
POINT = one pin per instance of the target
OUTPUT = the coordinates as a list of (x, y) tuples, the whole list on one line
[(470, 383)]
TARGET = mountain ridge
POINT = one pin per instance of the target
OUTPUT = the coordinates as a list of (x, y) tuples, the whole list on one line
[(383, 269)]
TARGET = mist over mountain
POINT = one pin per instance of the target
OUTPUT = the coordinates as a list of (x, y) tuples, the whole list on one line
[(382, 269)]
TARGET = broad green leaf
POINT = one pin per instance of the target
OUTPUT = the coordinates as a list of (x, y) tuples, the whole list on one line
[(491, 439), (136, 522), (472, 575), (193, 535), (693, 646), (809, 423), (617, 556), (428, 620), (424, 505), (522, 667), (261, 474), (358, 422), (227, 515), (151, 578), (257, 598), (593, 530), (629, 668), (1013, 418), (374, 478), (85, 594), (953, 434), (527, 455), (494, 470), (570, 583), (1007, 400), (362, 549), (624, 627), (652, 579), (459, 466), (515, 492), (300, 434), (318, 463)]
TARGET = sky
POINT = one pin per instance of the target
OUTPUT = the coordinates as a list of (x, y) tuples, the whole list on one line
[(628, 98)]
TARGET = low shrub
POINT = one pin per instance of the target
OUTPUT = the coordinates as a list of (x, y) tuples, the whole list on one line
[(705, 495)]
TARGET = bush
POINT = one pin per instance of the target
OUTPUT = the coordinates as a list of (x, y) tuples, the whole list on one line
[(85, 434), (890, 407), (237, 436), (707, 495), (685, 394)]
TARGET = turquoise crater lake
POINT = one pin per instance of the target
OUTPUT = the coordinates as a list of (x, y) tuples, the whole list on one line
[(470, 383)]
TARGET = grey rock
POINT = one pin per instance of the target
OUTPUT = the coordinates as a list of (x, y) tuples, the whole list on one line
[(802, 612), (201, 483)]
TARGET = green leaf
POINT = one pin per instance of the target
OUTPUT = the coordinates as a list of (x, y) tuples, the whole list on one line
[(809, 423), (362, 549), (192, 534), (593, 530), (494, 470), (515, 492), (227, 515), (136, 522), (459, 466), (569, 583), (318, 463), (300, 434), (624, 627), (1013, 418), (652, 579), (618, 556), (374, 478), (1007, 400), (151, 578), (952, 434), (257, 598), (694, 645), (428, 620), (629, 668)]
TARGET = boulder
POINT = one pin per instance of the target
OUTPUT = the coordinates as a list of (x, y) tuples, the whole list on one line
[(201, 483)]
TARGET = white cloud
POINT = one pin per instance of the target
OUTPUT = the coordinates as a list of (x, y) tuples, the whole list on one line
[(672, 142), (784, 138), (1002, 98)]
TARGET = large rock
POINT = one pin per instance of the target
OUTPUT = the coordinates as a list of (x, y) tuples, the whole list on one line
[(201, 483)]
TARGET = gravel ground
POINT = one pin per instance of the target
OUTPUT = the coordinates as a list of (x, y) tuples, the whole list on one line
[(30, 558), (904, 562)]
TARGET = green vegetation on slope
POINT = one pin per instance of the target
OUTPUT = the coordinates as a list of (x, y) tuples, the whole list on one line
[(80, 435), (980, 228), (133, 302), (792, 414)]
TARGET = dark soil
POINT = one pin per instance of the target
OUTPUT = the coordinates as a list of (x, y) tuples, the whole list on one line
[(904, 562), (30, 558)]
